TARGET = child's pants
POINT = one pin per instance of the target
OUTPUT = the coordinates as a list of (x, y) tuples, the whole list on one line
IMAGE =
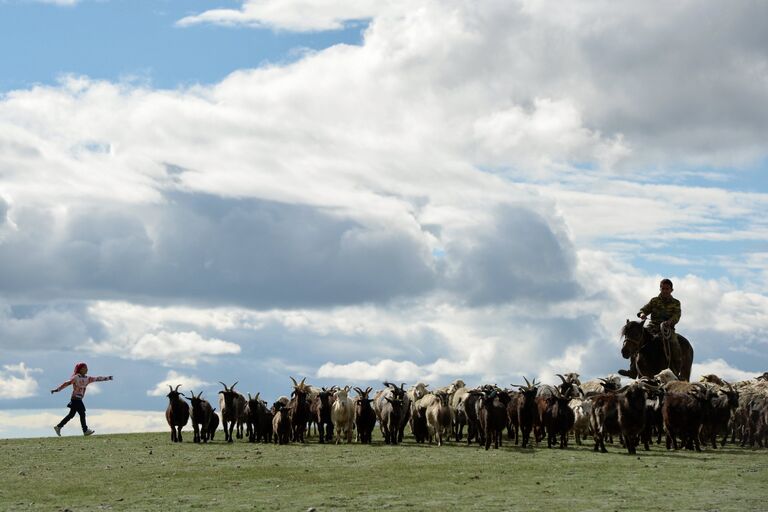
[(75, 406)]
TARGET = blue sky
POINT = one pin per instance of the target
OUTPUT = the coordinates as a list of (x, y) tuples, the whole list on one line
[(354, 191), (139, 40)]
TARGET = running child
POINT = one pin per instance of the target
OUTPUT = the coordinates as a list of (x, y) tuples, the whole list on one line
[(79, 382)]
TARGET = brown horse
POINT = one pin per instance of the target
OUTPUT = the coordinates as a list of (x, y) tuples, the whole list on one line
[(648, 352)]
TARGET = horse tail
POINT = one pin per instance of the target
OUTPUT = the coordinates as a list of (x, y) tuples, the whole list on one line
[(686, 352)]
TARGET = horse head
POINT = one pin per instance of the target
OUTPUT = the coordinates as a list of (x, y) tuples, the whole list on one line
[(633, 333)]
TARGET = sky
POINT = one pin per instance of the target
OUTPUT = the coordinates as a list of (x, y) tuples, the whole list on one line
[(351, 191)]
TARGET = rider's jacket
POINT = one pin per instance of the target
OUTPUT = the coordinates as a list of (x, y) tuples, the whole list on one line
[(662, 310)]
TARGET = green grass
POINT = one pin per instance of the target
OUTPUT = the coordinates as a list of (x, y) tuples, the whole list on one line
[(148, 472)]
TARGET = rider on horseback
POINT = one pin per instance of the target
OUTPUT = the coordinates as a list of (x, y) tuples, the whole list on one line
[(664, 311)]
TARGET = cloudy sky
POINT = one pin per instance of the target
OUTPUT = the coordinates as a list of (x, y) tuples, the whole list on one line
[(359, 190)]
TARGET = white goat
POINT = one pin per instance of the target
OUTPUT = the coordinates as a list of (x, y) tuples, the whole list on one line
[(343, 415), (439, 418)]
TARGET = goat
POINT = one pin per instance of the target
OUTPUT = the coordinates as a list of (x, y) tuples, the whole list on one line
[(419, 426), (557, 418), (751, 392), (258, 419), (440, 417), (654, 422), (622, 413), (525, 409), (601, 385), (492, 415), (213, 425), (177, 413), (200, 414), (665, 376), (469, 408), (391, 407), (513, 427), (683, 415), (459, 413), (342, 415), (758, 421), (320, 410), (722, 408), (232, 405), (298, 409), (365, 417), (281, 423)]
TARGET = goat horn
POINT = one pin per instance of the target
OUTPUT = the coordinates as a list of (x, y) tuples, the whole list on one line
[(225, 386), (232, 388), (177, 387), (526, 381), (562, 378), (170, 387), (294, 382), (302, 381)]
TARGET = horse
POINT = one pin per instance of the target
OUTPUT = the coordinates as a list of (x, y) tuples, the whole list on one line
[(648, 351)]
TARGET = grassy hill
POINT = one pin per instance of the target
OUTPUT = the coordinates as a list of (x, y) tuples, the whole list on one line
[(148, 472)]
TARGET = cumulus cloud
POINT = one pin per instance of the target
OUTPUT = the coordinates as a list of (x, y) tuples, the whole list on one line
[(37, 423), (520, 256), (17, 381), (173, 379), (467, 191), (187, 348), (722, 369), (293, 15)]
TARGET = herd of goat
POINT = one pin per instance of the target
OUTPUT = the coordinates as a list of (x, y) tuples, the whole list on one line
[(688, 414)]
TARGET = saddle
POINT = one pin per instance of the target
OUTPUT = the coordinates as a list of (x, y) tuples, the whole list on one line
[(662, 335)]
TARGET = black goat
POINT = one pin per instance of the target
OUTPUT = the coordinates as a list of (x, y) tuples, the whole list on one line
[(201, 415), (177, 413)]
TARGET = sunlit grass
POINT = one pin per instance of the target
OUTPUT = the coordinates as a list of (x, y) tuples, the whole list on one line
[(148, 472)]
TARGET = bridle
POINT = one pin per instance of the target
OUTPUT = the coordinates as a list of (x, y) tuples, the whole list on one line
[(635, 343)]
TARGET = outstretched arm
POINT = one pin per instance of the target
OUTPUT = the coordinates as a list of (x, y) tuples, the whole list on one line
[(99, 379), (62, 386)]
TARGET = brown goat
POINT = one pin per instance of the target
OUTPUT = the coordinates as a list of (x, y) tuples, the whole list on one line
[(622, 413), (177, 413)]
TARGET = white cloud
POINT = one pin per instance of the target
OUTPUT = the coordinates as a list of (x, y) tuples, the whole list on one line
[(173, 379), (467, 192), (187, 348), (39, 423), (16, 381), (359, 370), (293, 15), (722, 369), (64, 3)]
